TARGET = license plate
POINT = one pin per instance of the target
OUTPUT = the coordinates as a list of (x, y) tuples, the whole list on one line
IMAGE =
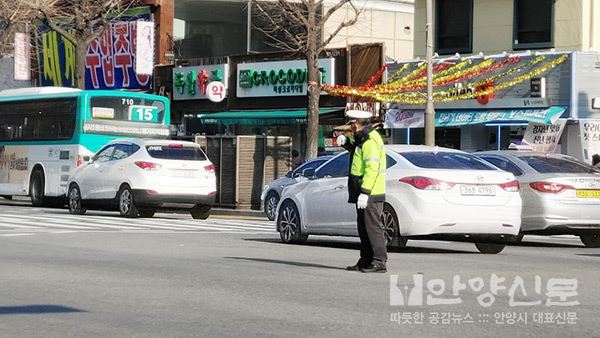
[(183, 173), (477, 190), (588, 193)]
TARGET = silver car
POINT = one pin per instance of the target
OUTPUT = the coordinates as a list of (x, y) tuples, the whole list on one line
[(561, 195), (272, 190)]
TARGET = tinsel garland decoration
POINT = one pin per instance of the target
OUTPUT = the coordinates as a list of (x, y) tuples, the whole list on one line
[(487, 85)]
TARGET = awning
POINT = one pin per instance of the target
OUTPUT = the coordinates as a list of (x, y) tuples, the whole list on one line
[(261, 117), (398, 118)]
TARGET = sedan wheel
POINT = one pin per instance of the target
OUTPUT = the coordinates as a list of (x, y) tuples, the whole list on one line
[(126, 204), (289, 224), (490, 248), (271, 205), (591, 240), (391, 228), (75, 201)]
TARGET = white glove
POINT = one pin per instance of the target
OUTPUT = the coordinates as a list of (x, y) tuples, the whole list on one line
[(362, 201), (341, 140)]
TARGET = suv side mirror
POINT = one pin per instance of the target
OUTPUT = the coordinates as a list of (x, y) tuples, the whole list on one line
[(86, 159), (308, 173), (288, 174)]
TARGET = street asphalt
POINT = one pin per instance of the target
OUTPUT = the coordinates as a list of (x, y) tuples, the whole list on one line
[(194, 284)]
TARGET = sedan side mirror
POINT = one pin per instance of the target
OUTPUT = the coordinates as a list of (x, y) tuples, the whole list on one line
[(308, 173)]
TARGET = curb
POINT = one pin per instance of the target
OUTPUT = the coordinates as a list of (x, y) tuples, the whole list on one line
[(238, 213)]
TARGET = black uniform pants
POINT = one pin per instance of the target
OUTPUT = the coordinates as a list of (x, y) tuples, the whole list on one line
[(370, 230)]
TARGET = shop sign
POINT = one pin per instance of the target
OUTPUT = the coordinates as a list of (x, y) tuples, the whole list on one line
[(191, 83), (111, 59), (398, 118), (216, 91), (460, 118), (371, 107), (280, 78), (22, 65), (590, 138), (544, 137)]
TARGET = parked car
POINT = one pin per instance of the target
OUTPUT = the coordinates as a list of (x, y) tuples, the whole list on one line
[(272, 190), (137, 177), (561, 195), (431, 192)]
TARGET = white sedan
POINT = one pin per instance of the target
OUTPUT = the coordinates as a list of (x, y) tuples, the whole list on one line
[(137, 177), (561, 195), (431, 192)]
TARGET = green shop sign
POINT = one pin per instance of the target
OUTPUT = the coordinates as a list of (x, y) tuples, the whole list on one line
[(249, 78), (283, 78)]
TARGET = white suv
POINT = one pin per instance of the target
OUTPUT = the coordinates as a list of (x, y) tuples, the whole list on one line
[(137, 177)]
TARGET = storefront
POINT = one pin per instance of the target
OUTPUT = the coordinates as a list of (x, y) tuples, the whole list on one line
[(265, 94), (529, 93)]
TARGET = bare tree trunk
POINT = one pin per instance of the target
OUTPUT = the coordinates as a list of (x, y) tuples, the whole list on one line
[(314, 85), (314, 91), (80, 54)]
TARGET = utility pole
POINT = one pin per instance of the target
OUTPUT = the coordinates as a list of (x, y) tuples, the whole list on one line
[(429, 110), (249, 28)]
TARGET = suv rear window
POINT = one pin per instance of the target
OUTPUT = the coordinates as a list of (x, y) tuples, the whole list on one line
[(446, 160), (166, 152), (551, 165)]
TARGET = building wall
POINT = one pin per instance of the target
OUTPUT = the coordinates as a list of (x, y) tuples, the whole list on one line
[(389, 22), (576, 26), (7, 75)]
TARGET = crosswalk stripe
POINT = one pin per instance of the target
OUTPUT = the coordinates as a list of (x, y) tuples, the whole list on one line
[(52, 222)]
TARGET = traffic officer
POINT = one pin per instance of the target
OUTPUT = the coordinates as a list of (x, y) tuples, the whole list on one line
[(366, 188)]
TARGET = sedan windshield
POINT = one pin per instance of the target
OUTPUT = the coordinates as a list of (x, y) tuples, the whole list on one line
[(553, 165), (446, 160)]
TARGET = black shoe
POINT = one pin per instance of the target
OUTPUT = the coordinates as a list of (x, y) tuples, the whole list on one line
[(375, 267), (357, 266), (353, 268)]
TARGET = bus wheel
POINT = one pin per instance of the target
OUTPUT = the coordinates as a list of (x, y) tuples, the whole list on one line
[(126, 204), (36, 189), (75, 200)]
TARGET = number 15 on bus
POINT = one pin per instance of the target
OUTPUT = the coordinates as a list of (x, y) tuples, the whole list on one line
[(143, 113)]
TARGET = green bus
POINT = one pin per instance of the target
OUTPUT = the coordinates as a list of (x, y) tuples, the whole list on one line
[(46, 132)]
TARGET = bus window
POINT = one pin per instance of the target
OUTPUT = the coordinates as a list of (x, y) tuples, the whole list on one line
[(52, 119), (127, 109)]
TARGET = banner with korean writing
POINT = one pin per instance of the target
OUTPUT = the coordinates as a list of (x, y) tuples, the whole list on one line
[(110, 60), (399, 118), (589, 130), (544, 137)]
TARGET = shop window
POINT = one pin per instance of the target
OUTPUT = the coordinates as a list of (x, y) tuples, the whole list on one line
[(454, 26), (533, 24)]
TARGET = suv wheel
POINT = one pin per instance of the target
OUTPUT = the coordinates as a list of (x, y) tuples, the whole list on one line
[(200, 211), (74, 196), (126, 203)]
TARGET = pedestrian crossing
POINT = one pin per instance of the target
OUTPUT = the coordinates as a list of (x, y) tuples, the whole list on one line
[(25, 221)]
